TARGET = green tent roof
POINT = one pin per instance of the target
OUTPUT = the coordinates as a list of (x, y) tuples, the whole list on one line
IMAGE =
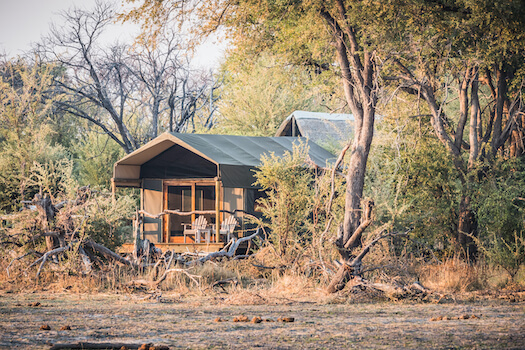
[(232, 158)]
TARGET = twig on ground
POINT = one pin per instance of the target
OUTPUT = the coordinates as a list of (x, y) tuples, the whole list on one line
[(184, 271), (225, 253)]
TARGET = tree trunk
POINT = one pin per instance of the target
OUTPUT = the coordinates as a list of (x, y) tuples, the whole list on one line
[(47, 211), (467, 223), (467, 229), (355, 180), (517, 141), (357, 72)]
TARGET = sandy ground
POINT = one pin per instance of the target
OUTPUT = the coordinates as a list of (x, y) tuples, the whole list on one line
[(189, 323)]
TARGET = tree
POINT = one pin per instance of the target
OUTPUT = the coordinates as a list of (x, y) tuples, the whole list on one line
[(25, 128), (168, 88), (94, 81), (130, 93), (463, 58), (444, 51)]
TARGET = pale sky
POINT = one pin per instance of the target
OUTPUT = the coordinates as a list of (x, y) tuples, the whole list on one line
[(25, 21)]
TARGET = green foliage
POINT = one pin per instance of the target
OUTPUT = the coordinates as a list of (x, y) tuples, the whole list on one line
[(259, 93), (85, 214), (500, 206), (109, 222), (24, 130), (410, 177), (296, 200), (414, 184), (37, 141), (98, 217), (54, 177), (508, 252), (34, 159), (96, 156), (288, 184)]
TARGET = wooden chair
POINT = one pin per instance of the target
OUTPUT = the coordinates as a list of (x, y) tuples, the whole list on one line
[(198, 227), (227, 227)]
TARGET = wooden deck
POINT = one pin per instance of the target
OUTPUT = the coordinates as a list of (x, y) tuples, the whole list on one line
[(127, 248)]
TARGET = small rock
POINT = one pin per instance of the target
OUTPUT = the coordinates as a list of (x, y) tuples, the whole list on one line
[(268, 320), (145, 346), (159, 347), (256, 320), (218, 319), (474, 316), (65, 328), (446, 318), (240, 319), (286, 319), (45, 327), (123, 347), (434, 319), (464, 317), (36, 303)]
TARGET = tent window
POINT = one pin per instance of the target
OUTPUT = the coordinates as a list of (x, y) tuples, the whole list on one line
[(179, 198), (204, 197)]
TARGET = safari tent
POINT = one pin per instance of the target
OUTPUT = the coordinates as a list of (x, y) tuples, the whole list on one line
[(326, 129), (202, 180)]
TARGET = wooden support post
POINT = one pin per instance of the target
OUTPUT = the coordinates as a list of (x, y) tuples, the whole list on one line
[(217, 209), (113, 190), (193, 199), (165, 219)]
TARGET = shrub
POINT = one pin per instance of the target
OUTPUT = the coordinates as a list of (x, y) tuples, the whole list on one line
[(294, 209)]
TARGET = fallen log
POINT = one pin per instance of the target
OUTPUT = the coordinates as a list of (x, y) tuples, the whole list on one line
[(155, 284), (225, 252), (21, 257), (46, 255), (397, 291), (108, 253), (228, 251)]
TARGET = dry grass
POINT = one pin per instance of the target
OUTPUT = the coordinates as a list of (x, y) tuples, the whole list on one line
[(244, 297), (455, 275), (264, 275)]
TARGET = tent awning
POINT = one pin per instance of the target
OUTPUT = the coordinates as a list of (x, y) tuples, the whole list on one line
[(232, 158)]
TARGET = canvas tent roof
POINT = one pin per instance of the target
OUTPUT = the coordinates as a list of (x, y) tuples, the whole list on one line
[(232, 158), (318, 127)]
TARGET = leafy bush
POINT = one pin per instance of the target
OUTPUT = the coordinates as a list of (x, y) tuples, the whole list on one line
[(109, 221), (413, 181), (24, 131), (85, 213), (295, 204), (501, 214)]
